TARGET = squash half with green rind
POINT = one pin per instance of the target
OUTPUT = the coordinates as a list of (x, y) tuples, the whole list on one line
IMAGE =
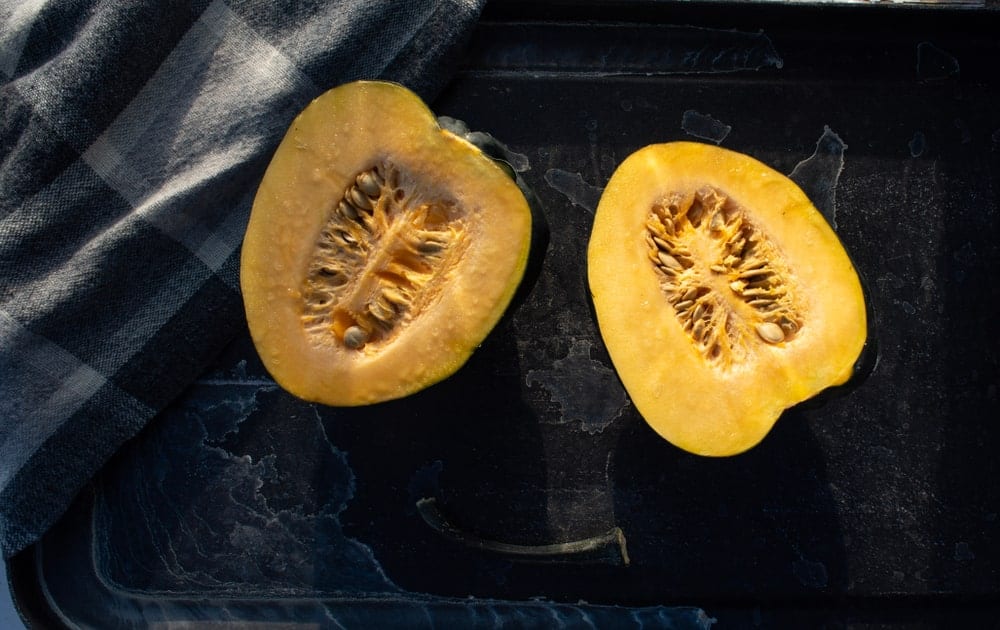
[(380, 251), (722, 294)]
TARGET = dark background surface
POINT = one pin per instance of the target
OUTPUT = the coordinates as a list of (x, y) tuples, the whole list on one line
[(876, 507)]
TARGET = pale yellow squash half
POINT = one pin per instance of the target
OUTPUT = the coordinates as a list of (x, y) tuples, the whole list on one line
[(380, 251), (722, 294)]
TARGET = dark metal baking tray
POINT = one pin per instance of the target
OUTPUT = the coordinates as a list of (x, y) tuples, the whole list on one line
[(525, 490)]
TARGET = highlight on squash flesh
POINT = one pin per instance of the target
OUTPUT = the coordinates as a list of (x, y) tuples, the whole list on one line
[(721, 293), (380, 251)]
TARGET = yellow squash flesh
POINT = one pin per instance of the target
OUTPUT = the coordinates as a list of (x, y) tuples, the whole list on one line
[(697, 397), (453, 306)]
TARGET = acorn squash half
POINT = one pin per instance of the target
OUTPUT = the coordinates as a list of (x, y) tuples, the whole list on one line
[(721, 293), (380, 251)]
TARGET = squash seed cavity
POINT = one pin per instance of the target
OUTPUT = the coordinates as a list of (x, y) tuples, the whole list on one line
[(721, 274), (382, 248)]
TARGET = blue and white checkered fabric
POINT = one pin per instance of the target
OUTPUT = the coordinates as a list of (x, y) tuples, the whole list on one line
[(132, 136)]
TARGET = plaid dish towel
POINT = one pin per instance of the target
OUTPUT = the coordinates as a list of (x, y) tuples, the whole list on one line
[(133, 134)]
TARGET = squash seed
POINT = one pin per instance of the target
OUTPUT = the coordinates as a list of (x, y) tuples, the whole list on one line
[(355, 337), (360, 199), (717, 222), (770, 332), (369, 183), (669, 261)]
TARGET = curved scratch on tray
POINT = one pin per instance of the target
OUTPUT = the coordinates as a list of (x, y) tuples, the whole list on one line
[(606, 547)]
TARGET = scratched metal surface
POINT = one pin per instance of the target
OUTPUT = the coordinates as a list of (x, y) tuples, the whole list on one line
[(873, 506)]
